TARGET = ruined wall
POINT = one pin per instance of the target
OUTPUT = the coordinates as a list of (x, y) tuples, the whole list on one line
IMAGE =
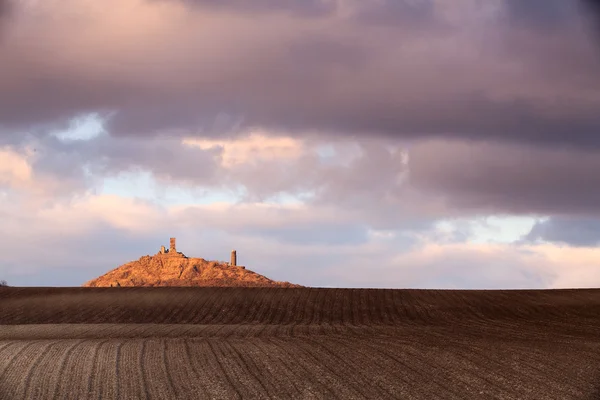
[(172, 252)]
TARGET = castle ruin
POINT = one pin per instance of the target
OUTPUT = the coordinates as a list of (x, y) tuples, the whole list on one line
[(172, 252)]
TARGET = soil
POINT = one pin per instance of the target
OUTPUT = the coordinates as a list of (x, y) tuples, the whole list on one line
[(179, 343)]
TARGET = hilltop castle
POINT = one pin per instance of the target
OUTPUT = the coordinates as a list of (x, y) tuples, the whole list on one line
[(172, 252)]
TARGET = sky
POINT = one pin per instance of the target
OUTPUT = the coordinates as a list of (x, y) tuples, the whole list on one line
[(332, 143)]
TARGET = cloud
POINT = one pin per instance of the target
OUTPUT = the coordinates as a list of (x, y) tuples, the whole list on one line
[(303, 8), (390, 12), (66, 167), (385, 184), (592, 10), (298, 224), (116, 230), (5, 14), (543, 15), (27, 172), (15, 169), (322, 172), (458, 265), (297, 130), (251, 149), (164, 73), (322, 244), (564, 230), (413, 184), (480, 266), (4, 8), (490, 178)]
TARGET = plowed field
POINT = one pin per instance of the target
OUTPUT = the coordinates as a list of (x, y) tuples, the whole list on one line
[(179, 343)]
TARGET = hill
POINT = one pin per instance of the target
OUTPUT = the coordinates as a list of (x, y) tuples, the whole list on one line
[(170, 267), (168, 270)]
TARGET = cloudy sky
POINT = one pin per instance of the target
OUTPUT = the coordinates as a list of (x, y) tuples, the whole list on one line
[(345, 143)]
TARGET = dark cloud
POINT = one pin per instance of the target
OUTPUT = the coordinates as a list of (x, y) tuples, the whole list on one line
[(306, 8), (296, 77), (571, 231), (166, 159), (541, 14), (495, 178), (318, 107), (5, 11), (591, 8), (378, 12), (4, 8), (68, 167), (396, 12)]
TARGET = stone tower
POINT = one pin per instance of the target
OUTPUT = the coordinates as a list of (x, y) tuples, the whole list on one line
[(233, 258), (172, 246)]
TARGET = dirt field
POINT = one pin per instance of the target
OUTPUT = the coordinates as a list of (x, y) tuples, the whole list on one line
[(169, 343)]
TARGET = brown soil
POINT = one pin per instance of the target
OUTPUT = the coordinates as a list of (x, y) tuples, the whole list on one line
[(166, 343), (178, 270)]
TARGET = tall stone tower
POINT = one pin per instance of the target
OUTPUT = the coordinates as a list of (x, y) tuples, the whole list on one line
[(233, 258), (172, 246)]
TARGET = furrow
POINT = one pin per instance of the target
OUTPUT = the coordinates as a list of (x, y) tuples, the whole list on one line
[(136, 381), (346, 356), (254, 307), (280, 383), (428, 381), (19, 376), (382, 371), (516, 373), (14, 350), (295, 311), (213, 377), (158, 380), (184, 375), (244, 354), (184, 302), (53, 372), (195, 313), (363, 308), (265, 307), (241, 316), (277, 312), (18, 353), (227, 310), (317, 307), (248, 384), (197, 372), (92, 367), (103, 380), (72, 380), (296, 361), (330, 369)]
